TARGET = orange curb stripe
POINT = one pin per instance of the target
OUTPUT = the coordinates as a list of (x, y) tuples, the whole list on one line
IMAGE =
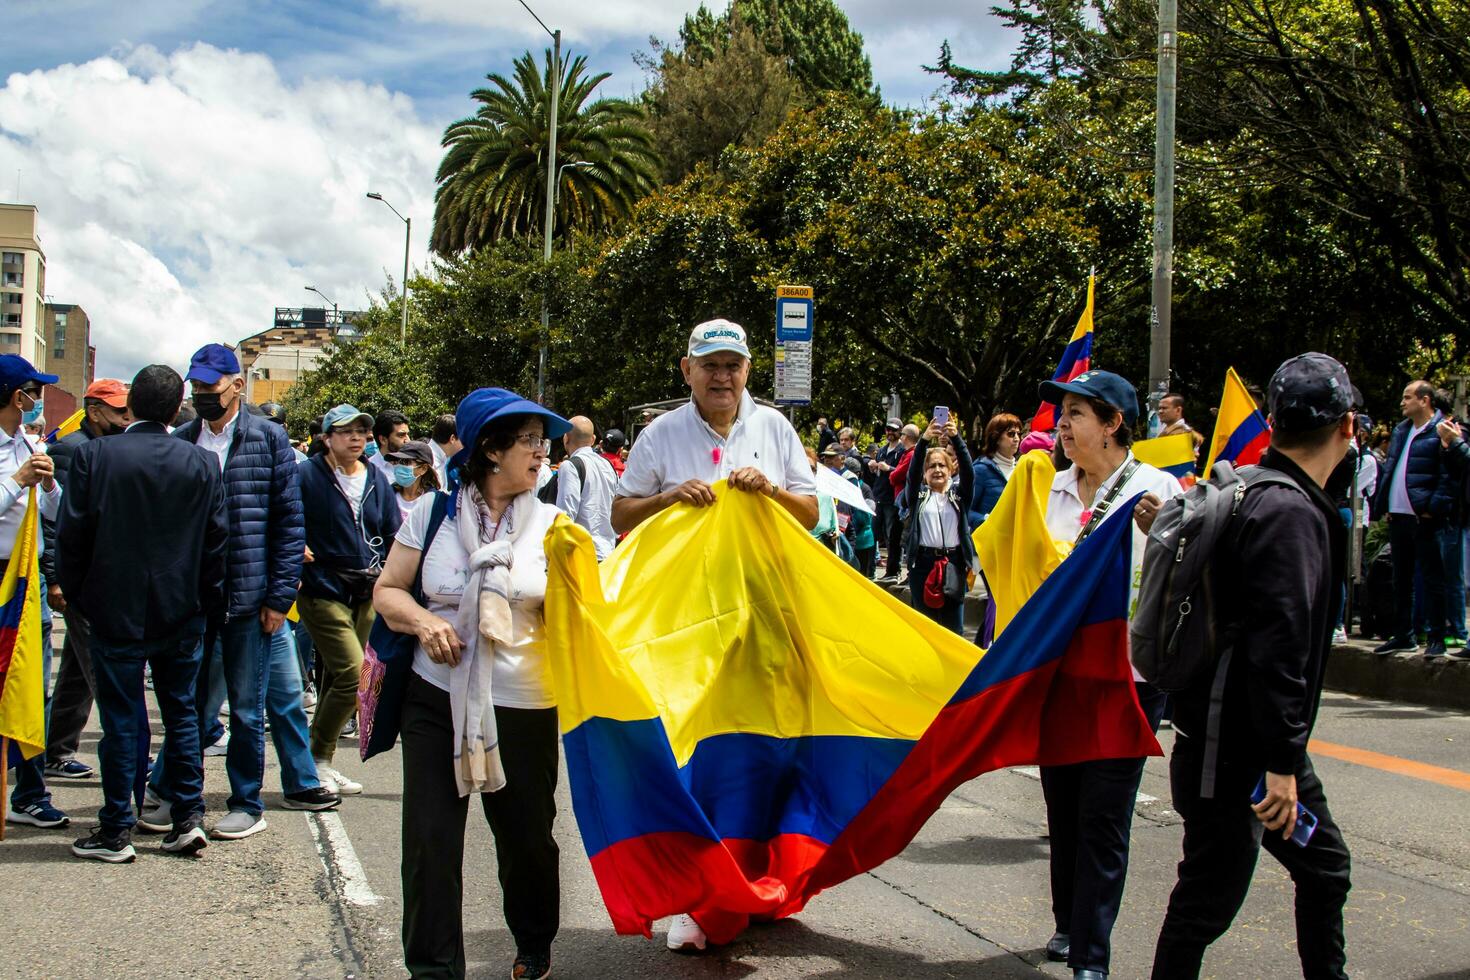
[(1452, 778)]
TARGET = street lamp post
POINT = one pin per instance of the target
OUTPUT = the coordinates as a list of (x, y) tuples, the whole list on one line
[(551, 175), (1163, 279), (336, 317), (577, 165), (407, 238)]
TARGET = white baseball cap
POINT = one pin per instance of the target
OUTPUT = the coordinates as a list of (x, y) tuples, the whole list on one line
[(713, 336)]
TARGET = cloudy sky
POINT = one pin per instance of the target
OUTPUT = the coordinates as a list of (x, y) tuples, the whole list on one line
[(199, 162)]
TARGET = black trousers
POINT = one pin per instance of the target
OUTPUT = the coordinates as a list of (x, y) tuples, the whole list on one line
[(952, 614), (1089, 813), (520, 817), (71, 698), (889, 532), (1221, 840), (1415, 543)]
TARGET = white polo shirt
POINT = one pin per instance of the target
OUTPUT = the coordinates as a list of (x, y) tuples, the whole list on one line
[(1065, 510), (681, 446)]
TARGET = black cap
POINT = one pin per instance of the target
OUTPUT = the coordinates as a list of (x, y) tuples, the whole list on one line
[(613, 440), (1102, 385), (1309, 391), (411, 452)]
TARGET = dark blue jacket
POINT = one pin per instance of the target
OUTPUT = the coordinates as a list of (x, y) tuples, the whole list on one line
[(263, 498), (990, 483), (1433, 489), (961, 491), (335, 539)]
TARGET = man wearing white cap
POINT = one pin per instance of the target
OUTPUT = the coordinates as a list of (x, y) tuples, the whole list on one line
[(721, 434)]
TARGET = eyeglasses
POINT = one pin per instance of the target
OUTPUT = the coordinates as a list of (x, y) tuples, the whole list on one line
[(532, 440), (1013, 432), (351, 432)]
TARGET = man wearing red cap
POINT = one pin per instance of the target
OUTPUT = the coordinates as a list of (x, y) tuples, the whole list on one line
[(105, 403)]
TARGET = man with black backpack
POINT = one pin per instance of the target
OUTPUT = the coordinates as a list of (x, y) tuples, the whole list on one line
[(1268, 554)]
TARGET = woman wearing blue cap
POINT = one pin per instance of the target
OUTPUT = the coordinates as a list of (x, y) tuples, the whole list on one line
[(1089, 806), (479, 715)]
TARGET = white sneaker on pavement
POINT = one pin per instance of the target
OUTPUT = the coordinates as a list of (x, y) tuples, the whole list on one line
[(333, 779), (222, 747), (685, 936), (1339, 635)]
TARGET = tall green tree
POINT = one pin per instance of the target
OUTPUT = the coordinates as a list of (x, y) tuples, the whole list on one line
[(820, 47), (492, 180)]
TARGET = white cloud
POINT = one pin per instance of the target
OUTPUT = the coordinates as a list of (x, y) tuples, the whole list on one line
[(577, 20), (184, 196)]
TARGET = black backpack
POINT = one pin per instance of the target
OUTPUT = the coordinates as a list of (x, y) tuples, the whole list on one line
[(1175, 636), (547, 494)]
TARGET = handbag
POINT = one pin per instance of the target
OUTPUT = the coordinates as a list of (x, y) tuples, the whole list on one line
[(387, 662)]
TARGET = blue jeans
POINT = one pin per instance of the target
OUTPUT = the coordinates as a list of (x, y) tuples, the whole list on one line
[(30, 774), (1452, 552), (118, 668), (289, 729), (242, 649)]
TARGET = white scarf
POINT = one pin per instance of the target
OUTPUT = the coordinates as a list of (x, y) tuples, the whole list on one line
[(484, 620)]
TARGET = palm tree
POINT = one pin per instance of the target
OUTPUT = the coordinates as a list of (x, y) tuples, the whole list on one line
[(492, 181)]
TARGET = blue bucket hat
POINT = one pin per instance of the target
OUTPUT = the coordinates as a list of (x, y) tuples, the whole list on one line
[(1103, 385), (483, 406)]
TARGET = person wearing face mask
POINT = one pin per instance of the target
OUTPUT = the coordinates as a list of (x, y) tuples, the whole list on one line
[(351, 516), (266, 543), (105, 405), (23, 464), (940, 527), (390, 432), (479, 714), (411, 468)]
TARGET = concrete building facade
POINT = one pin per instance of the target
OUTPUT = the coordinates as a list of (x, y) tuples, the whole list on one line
[(69, 351), (22, 284)]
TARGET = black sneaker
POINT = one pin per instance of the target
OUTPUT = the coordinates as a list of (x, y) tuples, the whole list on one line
[(316, 798), (1458, 653), (101, 846), (531, 966), (1434, 650), (187, 837), (1396, 644)]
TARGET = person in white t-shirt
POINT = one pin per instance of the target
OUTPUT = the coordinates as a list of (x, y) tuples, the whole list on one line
[(1089, 806), (479, 714), (584, 485), (720, 434)]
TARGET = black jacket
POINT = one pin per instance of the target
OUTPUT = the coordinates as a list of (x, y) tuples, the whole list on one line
[(141, 540), (337, 540), (961, 489), (1278, 573)]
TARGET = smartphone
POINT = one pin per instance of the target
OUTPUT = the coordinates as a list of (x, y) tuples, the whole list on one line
[(941, 413), (1306, 820)]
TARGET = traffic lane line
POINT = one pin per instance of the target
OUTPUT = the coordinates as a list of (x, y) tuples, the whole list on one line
[(1453, 778), (339, 859)]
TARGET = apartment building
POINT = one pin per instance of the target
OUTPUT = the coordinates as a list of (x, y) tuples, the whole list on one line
[(69, 351), (22, 284)]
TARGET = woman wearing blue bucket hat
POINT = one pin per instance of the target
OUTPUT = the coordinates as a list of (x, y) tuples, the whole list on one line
[(479, 715)]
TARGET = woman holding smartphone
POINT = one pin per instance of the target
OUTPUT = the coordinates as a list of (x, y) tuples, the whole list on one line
[(939, 530)]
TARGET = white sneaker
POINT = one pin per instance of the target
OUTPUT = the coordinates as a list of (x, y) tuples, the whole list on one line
[(219, 748), (1339, 635), (685, 936), (334, 781), (308, 698)]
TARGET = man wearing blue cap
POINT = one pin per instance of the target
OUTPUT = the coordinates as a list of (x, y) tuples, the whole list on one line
[(721, 434), (266, 544), (23, 466)]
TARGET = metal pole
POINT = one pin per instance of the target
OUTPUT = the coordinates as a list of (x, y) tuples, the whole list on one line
[(550, 214), (407, 237), (1158, 352)]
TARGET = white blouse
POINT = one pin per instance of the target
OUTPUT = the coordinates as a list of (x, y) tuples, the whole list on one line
[(939, 525)]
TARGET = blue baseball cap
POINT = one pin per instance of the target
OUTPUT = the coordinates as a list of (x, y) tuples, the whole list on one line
[(344, 415), (212, 362), (1102, 385), (16, 371)]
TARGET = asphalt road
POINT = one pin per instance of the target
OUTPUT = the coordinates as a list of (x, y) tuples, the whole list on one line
[(319, 896)]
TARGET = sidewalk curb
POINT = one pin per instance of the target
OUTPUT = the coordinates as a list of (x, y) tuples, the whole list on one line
[(1352, 668)]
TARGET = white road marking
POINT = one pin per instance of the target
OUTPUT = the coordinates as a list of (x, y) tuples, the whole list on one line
[(339, 859), (1030, 772)]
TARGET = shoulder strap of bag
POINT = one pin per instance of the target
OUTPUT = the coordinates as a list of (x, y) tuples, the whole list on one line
[(437, 512), (581, 469), (1101, 510)]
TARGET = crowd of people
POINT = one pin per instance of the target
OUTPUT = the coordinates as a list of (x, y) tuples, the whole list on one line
[(196, 545)]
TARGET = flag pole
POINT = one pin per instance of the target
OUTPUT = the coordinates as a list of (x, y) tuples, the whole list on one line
[(4, 777)]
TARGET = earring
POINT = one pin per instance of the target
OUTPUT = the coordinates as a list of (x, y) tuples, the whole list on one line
[(1105, 442), (494, 467)]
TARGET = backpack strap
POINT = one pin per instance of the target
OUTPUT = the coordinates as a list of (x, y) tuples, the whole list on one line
[(438, 510)]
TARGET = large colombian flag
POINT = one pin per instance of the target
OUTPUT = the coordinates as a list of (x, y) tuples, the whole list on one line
[(1241, 432), (747, 720), (22, 697), (1076, 359), (1172, 454)]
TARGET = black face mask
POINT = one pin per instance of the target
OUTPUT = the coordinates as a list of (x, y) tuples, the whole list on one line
[(209, 406), (112, 428)]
